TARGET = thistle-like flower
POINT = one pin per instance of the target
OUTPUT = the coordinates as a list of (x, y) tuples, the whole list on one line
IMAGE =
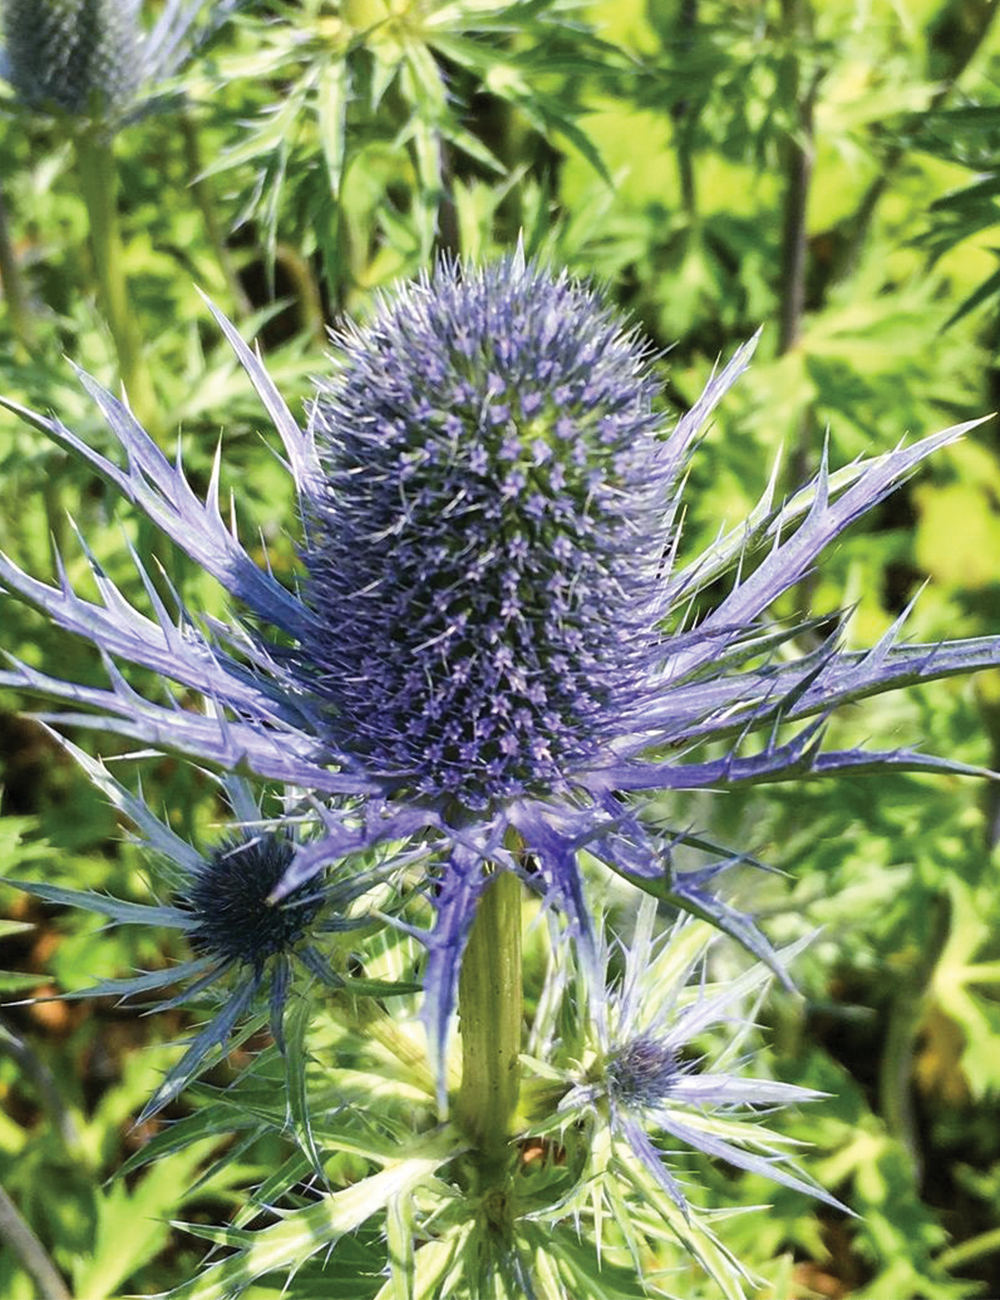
[(244, 947), (491, 648), (639, 1058), (94, 59), (634, 1061)]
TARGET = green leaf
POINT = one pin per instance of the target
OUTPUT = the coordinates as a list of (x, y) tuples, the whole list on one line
[(133, 1224), (288, 1244)]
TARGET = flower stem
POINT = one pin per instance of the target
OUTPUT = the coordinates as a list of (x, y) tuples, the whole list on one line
[(96, 176), (906, 1016), (490, 1009), (16, 1232), (14, 292), (201, 187)]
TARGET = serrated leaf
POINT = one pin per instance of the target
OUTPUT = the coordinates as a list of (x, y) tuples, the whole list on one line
[(301, 1233)]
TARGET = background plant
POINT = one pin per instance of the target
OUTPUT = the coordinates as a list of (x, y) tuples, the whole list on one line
[(695, 157)]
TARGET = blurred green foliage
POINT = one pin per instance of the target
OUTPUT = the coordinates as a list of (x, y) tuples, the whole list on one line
[(828, 170)]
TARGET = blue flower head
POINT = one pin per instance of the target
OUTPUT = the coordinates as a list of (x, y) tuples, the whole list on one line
[(492, 648), (231, 919), (245, 948), (641, 1057), (485, 536), (90, 59)]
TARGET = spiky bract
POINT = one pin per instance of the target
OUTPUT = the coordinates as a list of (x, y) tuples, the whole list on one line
[(636, 1060)]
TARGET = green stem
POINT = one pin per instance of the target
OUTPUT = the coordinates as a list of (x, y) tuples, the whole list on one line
[(686, 114), (12, 283), (22, 322), (962, 29), (63, 1122), (310, 305), (95, 168), (905, 1018), (201, 187), (490, 1011), (986, 1243), (797, 18), (17, 1233)]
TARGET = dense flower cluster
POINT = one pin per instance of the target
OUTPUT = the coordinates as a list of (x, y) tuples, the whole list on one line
[(231, 918), (76, 55), (492, 648), (484, 535)]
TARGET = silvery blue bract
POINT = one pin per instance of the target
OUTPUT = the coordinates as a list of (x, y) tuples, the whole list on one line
[(492, 648), (631, 1064)]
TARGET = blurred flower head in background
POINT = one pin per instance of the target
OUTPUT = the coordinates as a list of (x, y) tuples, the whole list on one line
[(95, 59)]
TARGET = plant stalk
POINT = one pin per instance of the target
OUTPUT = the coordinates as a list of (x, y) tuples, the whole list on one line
[(201, 187), (95, 168), (12, 284), (490, 1010), (962, 28), (25, 334), (17, 1233)]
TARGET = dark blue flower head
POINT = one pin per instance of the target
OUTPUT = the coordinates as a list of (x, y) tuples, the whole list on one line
[(483, 539), (493, 648), (245, 946), (231, 918)]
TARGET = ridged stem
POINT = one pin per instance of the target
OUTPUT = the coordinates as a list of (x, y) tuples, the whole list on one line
[(490, 1012), (12, 283), (95, 168), (17, 1233)]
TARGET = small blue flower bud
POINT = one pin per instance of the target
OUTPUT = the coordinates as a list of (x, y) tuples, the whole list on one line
[(232, 920)]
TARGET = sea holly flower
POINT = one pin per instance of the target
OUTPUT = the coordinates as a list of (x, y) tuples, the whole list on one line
[(95, 59), (655, 1053), (633, 1060), (245, 949), (491, 649)]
